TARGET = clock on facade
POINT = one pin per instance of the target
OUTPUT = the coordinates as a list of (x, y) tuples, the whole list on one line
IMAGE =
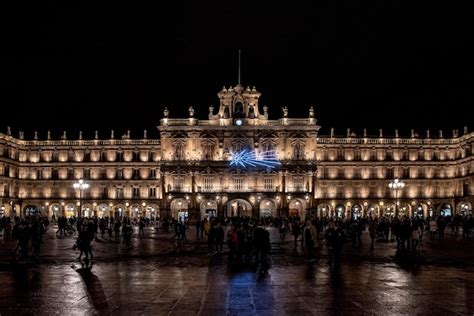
[(239, 122)]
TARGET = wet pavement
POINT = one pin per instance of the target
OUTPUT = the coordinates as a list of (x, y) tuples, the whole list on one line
[(154, 277)]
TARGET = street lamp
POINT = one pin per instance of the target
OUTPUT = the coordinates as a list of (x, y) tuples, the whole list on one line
[(396, 185), (81, 185)]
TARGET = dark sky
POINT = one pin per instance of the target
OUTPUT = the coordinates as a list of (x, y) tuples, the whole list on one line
[(89, 65)]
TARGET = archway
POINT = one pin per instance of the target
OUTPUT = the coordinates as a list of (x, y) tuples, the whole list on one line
[(323, 210), (179, 209), (208, 208), (340, 211), (464, 208), (103, 210), (356, 211), (55, 210), (268, 208), (373, 210), (446, 210), (239, 208), (87, 210), (296, 208), (71, 210), (119, 211), (136, 211), (388, 210), (152, 211), (404, 209), (420, 210), (31, 210)]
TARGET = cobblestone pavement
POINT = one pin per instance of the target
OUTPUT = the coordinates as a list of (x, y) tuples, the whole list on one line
[(155, 278)]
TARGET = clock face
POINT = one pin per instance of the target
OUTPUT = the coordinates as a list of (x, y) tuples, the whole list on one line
[(239, 122)]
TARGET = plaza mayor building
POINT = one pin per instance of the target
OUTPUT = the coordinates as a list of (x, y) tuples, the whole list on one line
[(238, 162)]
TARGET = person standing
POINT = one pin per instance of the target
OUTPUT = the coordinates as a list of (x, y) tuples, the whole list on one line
[(141, 227), (415, 235), (296, 231), (335, 238), (372, 233), (219, 237), (198, 227), (309, 241)]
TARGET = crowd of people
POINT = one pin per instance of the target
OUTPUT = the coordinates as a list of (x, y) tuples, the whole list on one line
[(247, 239)]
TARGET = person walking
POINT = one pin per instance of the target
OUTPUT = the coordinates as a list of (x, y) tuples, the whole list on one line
[(309, 241), (372, 233), (84, 243), (415, 235), (335, 238), (141, 227), (296, 231)]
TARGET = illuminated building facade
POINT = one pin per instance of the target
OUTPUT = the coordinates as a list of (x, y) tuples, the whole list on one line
[(193, 170)]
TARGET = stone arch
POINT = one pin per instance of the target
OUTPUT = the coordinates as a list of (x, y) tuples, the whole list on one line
[(297, 207), (268, 208), (87, 210), (420, 210), (136, 211), (119, 211), (179, 209), (405, 209), (446, 209), (208, 208), (340, 211), (373, 210), (55, 209), (388, 210), (71, 209), (31, 209), (323, 210), (239, 207), (463, 207), (357, 211), (152, 211), (103, 210)]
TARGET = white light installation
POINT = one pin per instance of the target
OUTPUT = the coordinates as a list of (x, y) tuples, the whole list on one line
[(247, 158)]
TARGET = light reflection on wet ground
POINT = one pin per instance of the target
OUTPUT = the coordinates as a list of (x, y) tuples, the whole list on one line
[(149, 287)]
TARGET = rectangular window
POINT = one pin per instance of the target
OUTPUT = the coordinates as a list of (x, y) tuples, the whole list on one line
[(120, 174), (178, 183), (120, 156), (268, 184), (136, 174), (119, 193), (136, 156), (152, 192), (105, 193), (136, 192), (208, 183), (238, 184), (298, 184), (87, 173), (153, 174)]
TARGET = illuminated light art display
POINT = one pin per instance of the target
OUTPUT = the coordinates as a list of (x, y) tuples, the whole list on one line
[(247, 158)]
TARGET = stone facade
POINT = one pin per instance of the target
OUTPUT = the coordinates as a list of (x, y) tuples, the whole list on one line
[(186, 171)]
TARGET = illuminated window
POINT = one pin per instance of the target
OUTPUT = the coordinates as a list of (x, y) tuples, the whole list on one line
[(119, 193), (178, 183), (238, 184), (208, 183), (298, 184), (268, 184)]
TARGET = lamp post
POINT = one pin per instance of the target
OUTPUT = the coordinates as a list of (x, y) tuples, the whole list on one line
[(81, 185), (396, 185)]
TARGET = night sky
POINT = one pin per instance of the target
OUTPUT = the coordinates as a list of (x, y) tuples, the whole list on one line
[(90, 65)]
